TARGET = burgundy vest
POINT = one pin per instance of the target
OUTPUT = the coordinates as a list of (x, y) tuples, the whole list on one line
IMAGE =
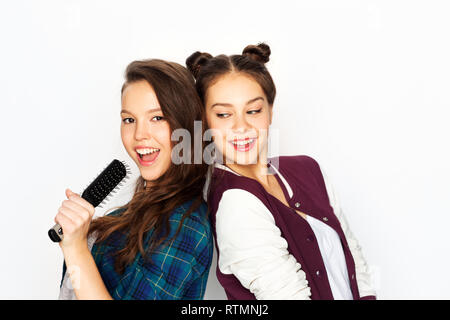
[(310, 196)]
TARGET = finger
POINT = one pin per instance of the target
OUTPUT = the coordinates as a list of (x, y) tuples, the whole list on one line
[(68, 193), (78, 209), (73, 216), (82, 202), (65, 222)]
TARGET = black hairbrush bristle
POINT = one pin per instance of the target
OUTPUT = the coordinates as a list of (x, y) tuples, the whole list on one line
[(106, 182), (97, 191)]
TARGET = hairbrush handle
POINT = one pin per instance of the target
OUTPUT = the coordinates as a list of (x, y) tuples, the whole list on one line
[(98, 190), (56, 233)]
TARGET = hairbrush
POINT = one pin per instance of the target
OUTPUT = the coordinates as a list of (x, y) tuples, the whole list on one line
[(108, 181)]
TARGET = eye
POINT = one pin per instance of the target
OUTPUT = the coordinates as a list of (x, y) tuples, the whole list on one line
[(158, 118), (222, 115), (125, 120), (254, 111)]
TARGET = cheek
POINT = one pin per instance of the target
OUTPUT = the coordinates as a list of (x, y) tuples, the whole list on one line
[(216, 127), (210, 120), (262, 122), (220, 127), (163, 136), (127, 137)]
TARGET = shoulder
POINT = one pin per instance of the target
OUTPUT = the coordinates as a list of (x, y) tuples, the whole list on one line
[(296, 161), (223, 181), (301, 168), (240, 200), (238, 208), (309, 170), (189, 243), (116, 212), (197, 220), (190, 236)]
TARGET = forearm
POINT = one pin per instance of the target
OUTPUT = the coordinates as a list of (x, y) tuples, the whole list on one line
[(84, 274), (279, 279)]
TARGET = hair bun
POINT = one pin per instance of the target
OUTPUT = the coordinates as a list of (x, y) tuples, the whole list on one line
[(260, 52), (196, 61)]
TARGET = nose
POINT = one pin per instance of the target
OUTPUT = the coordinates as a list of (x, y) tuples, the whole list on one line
[(142, 131), (240, 124)]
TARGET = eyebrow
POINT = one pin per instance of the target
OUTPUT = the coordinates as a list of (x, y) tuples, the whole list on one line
[(229, 104), (148, 111)]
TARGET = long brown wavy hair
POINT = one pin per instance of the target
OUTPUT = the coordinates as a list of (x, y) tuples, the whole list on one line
[(150, 207)]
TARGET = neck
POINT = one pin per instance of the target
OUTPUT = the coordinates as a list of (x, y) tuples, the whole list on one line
[(257, 171)]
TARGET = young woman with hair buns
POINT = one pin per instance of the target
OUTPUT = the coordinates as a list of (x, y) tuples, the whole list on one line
[(279, 230)]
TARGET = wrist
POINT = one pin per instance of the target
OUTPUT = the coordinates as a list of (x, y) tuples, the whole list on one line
[(75, 249)]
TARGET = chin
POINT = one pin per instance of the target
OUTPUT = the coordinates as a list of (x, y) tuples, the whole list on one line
[(148, 177), (151, 174), (243, 160)]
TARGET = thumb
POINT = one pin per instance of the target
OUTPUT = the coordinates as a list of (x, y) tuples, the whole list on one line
[(69, 193)]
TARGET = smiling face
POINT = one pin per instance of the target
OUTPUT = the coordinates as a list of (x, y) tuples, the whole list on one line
[(239, 115), (144, 130)]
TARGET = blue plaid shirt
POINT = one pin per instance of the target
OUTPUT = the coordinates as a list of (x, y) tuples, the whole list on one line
[(178, 269)]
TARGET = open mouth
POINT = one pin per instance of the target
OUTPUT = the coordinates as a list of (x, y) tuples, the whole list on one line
[(147, 156), (243, 145)]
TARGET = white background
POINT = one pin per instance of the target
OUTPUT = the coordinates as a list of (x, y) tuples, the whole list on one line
[(362, 87)]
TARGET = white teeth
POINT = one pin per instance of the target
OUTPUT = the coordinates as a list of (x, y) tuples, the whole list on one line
[(146, 151), (243, 142)]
